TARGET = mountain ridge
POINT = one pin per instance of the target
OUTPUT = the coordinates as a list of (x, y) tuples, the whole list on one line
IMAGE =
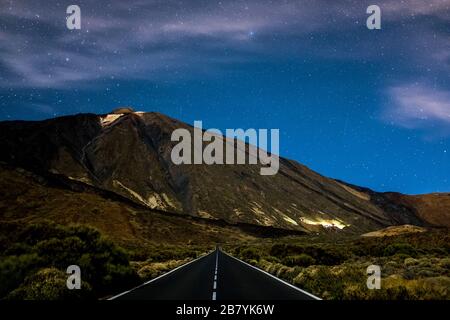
[(129, 154)]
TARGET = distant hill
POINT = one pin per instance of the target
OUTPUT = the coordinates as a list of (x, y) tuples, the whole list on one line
[(434, 208), (395, 231)]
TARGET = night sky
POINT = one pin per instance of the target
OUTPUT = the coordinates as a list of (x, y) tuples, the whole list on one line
[(371, 107)]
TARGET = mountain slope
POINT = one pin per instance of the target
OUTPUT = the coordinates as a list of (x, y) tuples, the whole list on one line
[(30, 198), (129, 154), (433, 208)]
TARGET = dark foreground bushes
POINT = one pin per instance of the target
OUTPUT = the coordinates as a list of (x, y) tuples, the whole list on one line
[(34, 260)]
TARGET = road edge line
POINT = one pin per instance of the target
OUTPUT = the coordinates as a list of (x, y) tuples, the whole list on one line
[(159, 277), (271, 275)]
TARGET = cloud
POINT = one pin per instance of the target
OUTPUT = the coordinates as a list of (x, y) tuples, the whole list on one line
[(42, 108), (418, 106), (157, 40), (418, 7)]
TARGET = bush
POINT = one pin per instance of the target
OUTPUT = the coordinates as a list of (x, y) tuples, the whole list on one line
[(445, 263), (104, 266), (434, 288), (253, 262), (302, 260), (410, 262), (148, 271), (49, 284), (321, 255), (272, 259), (14, 269), (320, 281), (400, 248), (278, 250), (250, 254), (166, 253)]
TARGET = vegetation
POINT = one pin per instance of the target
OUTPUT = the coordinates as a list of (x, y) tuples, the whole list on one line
[(34, 260), (49, 284), (414, 266), (44, 251), (157, 260)]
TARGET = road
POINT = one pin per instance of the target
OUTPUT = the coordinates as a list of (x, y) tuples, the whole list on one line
[(216, 276)]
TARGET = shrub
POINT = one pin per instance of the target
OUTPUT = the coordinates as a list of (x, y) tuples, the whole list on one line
[(411, 262), (253, 262), (272, 259), (437, 288), (250, 254), (302, 260), (278, 250), (166, 253), (445, 263), (287, 273), (274, 268), (320, 281), (401, 256), (400, 248), (104, 266), (49, 284), (321, 255), (14, 269), (327, 256), (148, 271)]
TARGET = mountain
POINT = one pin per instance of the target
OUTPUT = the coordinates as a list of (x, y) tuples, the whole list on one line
[(433, 208), (128, 153)]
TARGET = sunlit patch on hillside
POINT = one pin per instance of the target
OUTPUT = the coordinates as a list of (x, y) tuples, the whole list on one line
[(326, 223), (109, 118), (290, 220), (116, 114)]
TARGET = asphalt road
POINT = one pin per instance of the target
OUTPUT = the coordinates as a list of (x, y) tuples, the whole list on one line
[(216, 276)]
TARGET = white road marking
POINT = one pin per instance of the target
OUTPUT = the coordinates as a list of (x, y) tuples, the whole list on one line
[(270, 275), (217, 260), (214, 294)]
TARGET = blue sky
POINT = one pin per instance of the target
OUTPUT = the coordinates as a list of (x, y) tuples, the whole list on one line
[(368, 107)]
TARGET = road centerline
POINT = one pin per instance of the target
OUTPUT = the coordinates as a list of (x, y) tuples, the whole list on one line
[(214, 294)]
